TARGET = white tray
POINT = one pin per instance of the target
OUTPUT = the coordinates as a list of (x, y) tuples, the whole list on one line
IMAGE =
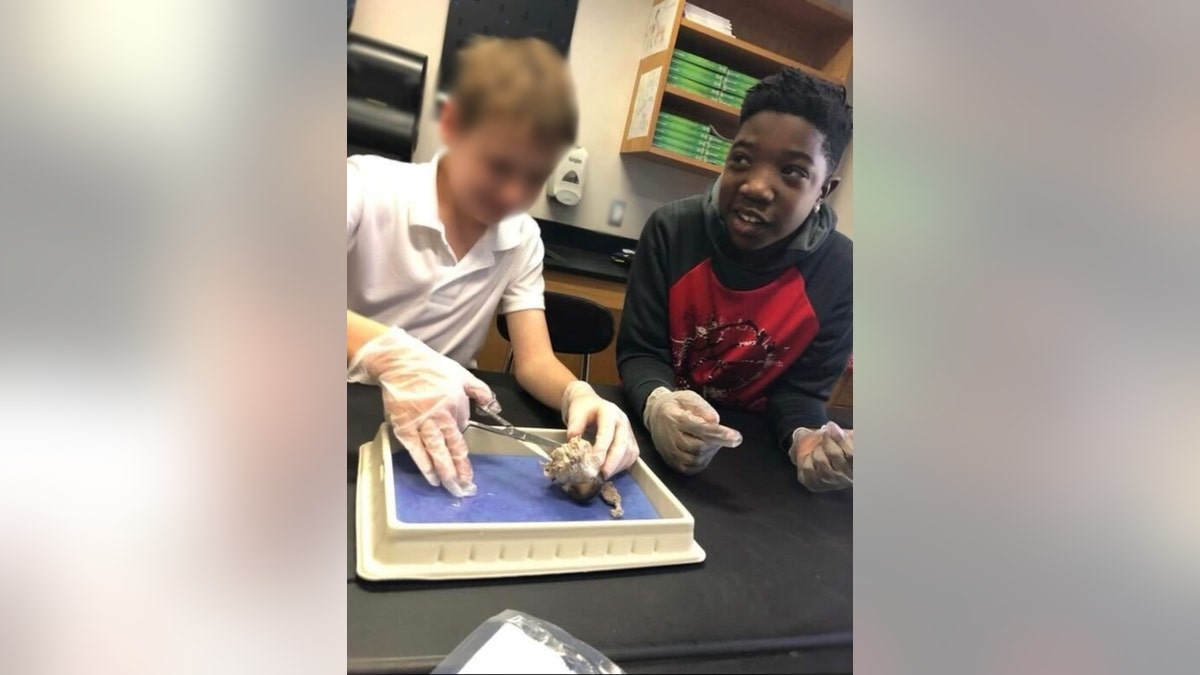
[(391, 549)]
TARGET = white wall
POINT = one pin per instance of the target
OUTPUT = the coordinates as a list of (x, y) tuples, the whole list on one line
[(605, 49)]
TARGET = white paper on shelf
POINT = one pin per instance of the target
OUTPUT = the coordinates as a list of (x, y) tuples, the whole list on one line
[(511, 652), (708, 20), (643, 103), (719, 26), (700, 14), (659, 28)]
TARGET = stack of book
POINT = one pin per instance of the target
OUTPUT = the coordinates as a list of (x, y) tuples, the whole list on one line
[(708, 78), (706, 18), (690, 138)]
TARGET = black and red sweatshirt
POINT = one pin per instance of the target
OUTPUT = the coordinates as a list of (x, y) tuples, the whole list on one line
[(768, 330)]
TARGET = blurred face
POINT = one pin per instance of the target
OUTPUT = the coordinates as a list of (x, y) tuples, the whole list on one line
[(497, 168), (775, 174)]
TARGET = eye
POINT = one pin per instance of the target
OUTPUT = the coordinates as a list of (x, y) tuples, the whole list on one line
[(502, 168), (536, 180), (795, 172), (738, 159)]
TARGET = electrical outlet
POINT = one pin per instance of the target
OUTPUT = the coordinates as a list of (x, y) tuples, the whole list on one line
[(616, 212)]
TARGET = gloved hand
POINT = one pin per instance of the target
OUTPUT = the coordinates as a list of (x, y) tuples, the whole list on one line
[(824, 457), (582, 407), (426, 398), (685, 429)]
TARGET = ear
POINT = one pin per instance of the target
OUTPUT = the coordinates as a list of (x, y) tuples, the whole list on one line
[(829, 187), (449, 122)]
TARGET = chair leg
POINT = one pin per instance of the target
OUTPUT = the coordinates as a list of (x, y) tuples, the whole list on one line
[(508, 361), (585, 368)]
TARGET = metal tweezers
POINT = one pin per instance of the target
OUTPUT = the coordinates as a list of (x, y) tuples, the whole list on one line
[(505, 428)]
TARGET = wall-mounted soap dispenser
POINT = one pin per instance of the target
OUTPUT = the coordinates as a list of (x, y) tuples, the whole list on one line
[(566, 183)]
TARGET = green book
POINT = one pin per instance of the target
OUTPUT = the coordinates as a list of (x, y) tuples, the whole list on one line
[(669, 121), (693, 145), (666, 145), (704, 154), (681, 123), (683, 74), (711, 93), (667, 118), (708, 64), (712, 162), (680, 120), (727, 81), (711, 78), (680, 134), (708, 138), (684, 124)]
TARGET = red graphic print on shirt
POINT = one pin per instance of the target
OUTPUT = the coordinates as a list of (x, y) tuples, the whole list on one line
[(731, 345)]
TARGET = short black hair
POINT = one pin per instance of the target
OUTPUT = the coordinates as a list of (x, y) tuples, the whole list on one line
[(797, 93)]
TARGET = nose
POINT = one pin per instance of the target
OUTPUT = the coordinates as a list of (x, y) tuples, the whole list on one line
[(757, 186), (513, 194)]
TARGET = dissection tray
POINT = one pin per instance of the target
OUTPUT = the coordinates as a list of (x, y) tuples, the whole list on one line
[(517, 525)]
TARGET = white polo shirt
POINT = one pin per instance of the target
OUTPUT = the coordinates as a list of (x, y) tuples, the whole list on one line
[(402, 272)]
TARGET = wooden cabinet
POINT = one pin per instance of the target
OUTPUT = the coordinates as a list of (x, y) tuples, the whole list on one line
[(809, 35), (607, 293)]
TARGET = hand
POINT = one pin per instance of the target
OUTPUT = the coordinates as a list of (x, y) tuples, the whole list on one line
[(426, 398), (685, 429), (582, 407), (824, 457)]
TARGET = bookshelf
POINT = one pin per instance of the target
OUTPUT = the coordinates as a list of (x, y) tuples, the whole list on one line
[(703, 109), (810, 35)]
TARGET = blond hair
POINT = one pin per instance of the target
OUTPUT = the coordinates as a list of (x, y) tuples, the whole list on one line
[(525, 79)]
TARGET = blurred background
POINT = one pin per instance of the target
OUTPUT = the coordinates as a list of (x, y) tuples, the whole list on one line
[(170, 386), (1025, 377)]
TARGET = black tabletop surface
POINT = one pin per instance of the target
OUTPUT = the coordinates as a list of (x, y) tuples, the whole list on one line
[(775, 593), (583, 251), (585, 263)]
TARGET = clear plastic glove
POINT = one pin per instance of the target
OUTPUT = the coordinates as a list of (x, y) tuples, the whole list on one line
[(582, 407), (824, 457), (427, 399), (686, 429)]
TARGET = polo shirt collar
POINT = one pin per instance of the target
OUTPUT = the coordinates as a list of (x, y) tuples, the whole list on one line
[(423, 207), (423, 211)]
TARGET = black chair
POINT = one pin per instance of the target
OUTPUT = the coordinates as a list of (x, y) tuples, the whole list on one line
[(577, 326)]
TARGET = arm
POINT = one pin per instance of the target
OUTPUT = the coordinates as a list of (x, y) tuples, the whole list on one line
[(643, 345), (685, 428), (359, 331), (538, 370), (798, 399), (540, 373), (354, 200), (523, 305)]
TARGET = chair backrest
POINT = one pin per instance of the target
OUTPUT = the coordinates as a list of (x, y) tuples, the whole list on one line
[(577, 325)]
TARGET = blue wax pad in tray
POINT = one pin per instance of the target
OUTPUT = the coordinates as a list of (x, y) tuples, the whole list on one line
[(512, 489)]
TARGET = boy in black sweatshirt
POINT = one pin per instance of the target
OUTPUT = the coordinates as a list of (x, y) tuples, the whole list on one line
[(742, 296)]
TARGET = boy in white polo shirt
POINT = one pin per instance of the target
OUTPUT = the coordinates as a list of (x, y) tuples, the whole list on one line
[(434, 250)]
